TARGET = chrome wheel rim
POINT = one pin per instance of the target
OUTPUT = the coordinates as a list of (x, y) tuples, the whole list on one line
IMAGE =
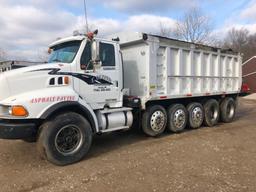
[(157, 121), (179, 118), (68, 140), (197, 116), (230, 110)]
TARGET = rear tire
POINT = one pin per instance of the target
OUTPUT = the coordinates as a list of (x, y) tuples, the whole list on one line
[(66, 139), (195, 115), (177, 118), (212, 113), (154, 121), (228, 110)]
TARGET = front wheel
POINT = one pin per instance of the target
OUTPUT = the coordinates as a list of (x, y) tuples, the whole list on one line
[(66, 139)]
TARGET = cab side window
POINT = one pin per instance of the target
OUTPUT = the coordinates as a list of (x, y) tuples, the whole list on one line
[(107, 55), (86, 57)]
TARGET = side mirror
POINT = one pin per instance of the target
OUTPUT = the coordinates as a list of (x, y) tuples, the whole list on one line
[(95, 50), (95, 54)]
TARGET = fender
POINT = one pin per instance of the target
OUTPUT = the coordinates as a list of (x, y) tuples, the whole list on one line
[(74, 104)]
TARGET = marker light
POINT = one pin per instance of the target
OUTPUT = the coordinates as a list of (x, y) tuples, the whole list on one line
[(66, 80), (49, 51), (19, 111), (91, 35)]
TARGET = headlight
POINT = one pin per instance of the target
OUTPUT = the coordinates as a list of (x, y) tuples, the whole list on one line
[(16, 110), (5, 110)]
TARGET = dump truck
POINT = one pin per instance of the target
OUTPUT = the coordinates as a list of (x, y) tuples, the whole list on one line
[(129, 80)]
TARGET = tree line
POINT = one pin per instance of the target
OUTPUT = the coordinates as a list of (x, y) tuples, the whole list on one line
[(240, 40), (197, 27), (2, 55)]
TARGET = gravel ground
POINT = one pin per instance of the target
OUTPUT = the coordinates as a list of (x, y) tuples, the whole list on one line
[(251, 97), (216, 159)]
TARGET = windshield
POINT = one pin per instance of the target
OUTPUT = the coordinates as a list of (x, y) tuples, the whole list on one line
[(65, 52)]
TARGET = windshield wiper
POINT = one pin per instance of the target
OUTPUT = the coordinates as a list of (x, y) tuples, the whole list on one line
[(56, 60)]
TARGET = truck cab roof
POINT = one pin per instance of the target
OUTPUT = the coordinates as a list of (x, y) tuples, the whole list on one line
[(67, 39), (75, 38)]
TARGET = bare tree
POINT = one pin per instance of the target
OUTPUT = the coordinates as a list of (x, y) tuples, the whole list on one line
[(251, 51), (165, 31), (194, 27), (242, 41), (2, 55), (236, 39)]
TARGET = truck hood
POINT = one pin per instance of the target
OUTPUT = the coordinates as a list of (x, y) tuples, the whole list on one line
[(27, 79)]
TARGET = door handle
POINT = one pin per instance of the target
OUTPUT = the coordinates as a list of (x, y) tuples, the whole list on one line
[(116, 83)]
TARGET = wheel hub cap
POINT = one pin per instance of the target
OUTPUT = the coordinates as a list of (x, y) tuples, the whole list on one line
[(68, 140), (197, 115), (157, 120), (179, 118)]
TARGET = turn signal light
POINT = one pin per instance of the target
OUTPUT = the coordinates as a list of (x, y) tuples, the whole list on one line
[(19, 111), (66, 80)]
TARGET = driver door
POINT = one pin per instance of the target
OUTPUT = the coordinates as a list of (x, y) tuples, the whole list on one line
[(100, 87)]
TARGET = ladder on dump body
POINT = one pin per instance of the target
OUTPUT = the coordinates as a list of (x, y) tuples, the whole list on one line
[(161, 71)]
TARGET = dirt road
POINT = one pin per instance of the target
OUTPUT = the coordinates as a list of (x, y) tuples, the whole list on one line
[(209, 159)]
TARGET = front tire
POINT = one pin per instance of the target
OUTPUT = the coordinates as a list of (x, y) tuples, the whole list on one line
[(66, 139), (154, 121)]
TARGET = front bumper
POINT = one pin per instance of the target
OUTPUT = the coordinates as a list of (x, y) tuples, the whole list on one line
[(13, 129)]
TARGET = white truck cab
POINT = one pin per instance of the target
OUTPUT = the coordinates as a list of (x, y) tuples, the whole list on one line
[(93, 86)]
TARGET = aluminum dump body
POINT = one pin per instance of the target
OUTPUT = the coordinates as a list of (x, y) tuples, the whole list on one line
[(162, 68)]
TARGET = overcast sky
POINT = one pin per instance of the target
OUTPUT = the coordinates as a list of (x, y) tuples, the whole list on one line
[(27, 27)]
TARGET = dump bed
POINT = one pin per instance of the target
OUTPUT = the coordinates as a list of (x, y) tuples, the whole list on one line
[(162, 68)]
